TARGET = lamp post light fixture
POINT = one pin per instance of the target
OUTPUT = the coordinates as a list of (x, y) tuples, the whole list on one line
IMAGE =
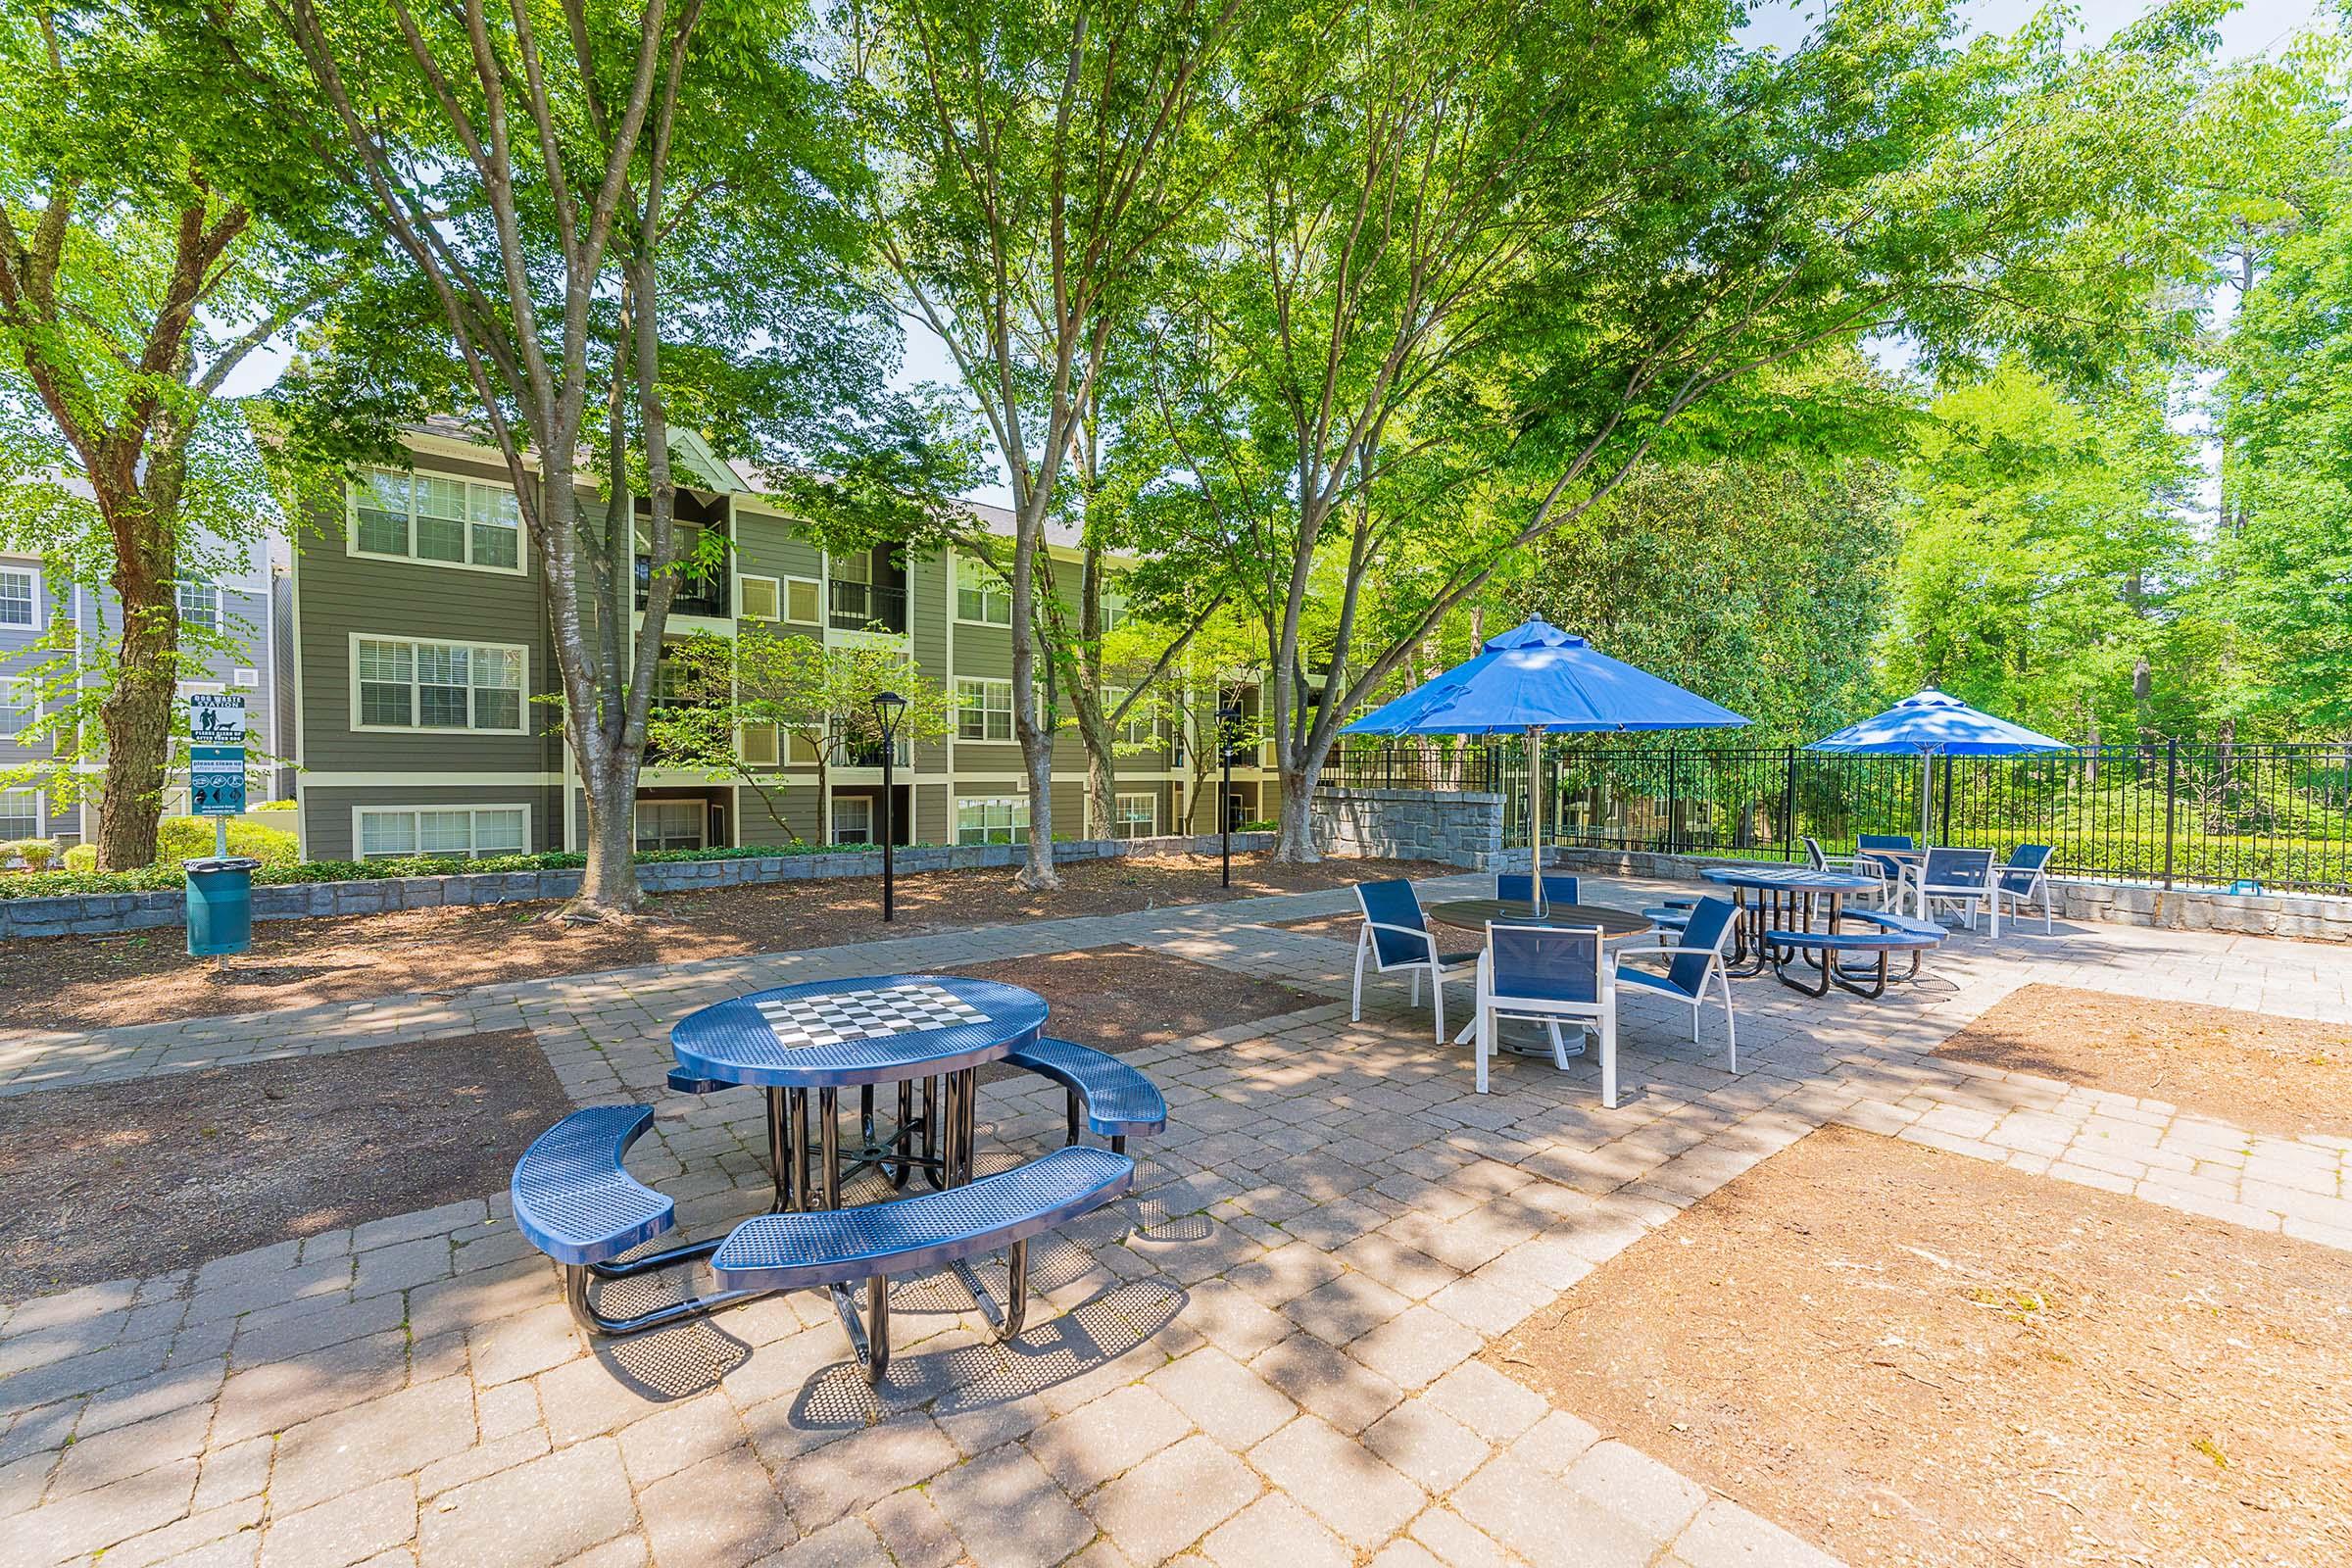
[(889, 708), (1228, 724)]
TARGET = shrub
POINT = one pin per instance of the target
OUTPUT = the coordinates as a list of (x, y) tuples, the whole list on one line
[(190, 837), (82, 857), (165, 874), (37, 853), (276, 805)]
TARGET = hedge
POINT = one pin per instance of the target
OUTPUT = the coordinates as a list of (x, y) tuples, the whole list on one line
[(163, 877)]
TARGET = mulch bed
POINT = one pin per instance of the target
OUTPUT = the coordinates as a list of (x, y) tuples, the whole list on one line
[(1116, 999), (99, 982), (1911, 1356), (2268, 1074), (108, 1181)]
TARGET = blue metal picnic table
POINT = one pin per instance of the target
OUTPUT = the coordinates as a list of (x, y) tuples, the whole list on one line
[(828, 1035), (1785, 896)]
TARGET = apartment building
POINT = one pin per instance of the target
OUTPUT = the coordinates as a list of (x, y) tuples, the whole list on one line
[(422, 659), (243, 602)]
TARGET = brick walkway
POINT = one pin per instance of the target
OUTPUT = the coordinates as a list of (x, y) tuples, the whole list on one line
[(1264, 1356)]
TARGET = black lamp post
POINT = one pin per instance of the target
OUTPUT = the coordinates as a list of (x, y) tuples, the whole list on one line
[(889, 708), (1229, 724)]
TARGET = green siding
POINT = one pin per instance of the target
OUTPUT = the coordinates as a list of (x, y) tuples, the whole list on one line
[(326, 813)]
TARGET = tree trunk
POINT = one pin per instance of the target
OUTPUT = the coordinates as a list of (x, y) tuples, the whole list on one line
[(1295, 845), (1101, 773), (609, 885), (136, 712), (1036, 736), (136, 715)]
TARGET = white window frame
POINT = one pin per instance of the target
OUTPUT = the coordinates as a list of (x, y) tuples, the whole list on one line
[(32, 594), (1115, 611), (991, 588), (359, 836), (702, 817), (350, 528), (775, 745), (185, 586), (1120, 819), (817, 598), (982, 687), (30, 707), (522, 725), (1016, 826), (743, 599), (40, 814), (856, 804)]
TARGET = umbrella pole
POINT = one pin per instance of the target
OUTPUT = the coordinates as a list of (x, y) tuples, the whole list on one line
[(1927, 795), (1535, 817)]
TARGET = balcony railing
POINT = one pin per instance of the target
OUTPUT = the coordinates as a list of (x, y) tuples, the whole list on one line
[(696, 593), (869, 753), (866, 607)]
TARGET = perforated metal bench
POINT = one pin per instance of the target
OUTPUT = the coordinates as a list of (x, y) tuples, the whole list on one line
[(837, 1247), (1832, 947), (577, 1203), (1119, 1103)]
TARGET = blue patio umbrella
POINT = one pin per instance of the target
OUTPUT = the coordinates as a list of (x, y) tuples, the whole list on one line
[(1539, 680), (1931, 723)]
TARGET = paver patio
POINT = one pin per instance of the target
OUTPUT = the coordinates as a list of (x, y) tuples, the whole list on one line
[(1265, 1355)]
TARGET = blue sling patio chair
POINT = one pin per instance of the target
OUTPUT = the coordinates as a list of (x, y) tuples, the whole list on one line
[(1552, 975), (1959, 879), (1518, 887), (2024, 879), (1872, 867), (1697, 958), (1395, 937)]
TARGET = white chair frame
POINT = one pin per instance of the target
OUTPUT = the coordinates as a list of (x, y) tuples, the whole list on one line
[(1967, 899), (1883, 887), (1437, 972), (1598, 1015), (1717, 971), (2023, 897)]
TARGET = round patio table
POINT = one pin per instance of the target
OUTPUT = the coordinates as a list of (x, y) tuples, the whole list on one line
[(829, 1035), (1473, 914), (1783, 894)]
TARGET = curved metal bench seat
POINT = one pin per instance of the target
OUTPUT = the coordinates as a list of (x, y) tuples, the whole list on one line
[(1119, 1102), (1830, 945), (572, 1198), (837, 1246), (1889, 921)]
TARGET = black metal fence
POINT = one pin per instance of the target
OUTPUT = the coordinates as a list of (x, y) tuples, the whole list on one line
[(2166, 812)]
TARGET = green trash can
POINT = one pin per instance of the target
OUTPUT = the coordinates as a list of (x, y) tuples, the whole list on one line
[(219, 906)]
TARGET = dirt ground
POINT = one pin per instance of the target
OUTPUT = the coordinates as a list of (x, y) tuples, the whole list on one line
[(102, 1181), (98, 982), (1116, 999), (2268, 1074), (1909, 1356)]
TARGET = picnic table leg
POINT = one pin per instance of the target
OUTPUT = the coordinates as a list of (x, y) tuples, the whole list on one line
[(865, 1116), (905, 1168), (1016, 1290), (1780, 971), (798, 1133), (1875, 991), (828, 1115), (951, 1116), (934, 1171), (777, 1153), (971, 1135)]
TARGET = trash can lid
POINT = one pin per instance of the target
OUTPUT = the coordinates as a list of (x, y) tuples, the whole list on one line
[(226, 862)]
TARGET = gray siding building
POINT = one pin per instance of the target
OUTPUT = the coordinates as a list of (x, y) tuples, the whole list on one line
[(419, 628)]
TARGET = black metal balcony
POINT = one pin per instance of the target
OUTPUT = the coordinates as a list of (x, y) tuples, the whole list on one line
[(696, 593), (866, 607)]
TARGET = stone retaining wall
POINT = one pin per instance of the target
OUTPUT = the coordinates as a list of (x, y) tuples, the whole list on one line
[(98, 913), (2306, 917), (1451, 826)]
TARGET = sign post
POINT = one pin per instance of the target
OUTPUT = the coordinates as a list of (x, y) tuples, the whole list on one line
[(219, 896)]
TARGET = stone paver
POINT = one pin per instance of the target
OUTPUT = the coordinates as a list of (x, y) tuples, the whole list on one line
[(1267, 1355)]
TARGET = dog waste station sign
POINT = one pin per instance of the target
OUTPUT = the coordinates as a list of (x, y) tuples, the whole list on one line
[(219, 889)]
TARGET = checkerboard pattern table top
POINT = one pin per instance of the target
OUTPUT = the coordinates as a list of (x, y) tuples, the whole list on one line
[(874, 1029), (831, 1018)]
